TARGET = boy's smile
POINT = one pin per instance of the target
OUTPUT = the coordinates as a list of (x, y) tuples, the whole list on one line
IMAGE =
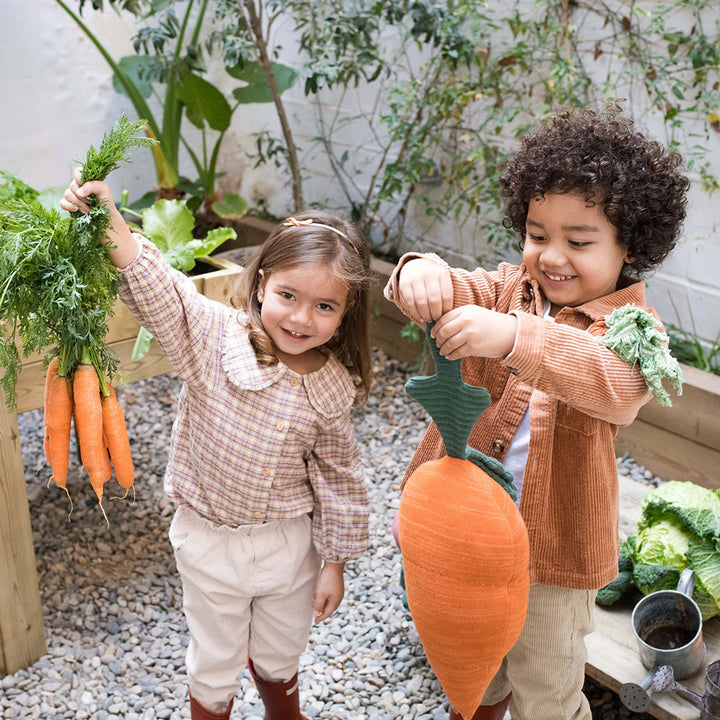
[(301, 309), (571, 249)]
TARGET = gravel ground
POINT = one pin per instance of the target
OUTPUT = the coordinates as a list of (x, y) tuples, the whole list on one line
[(111, 596)]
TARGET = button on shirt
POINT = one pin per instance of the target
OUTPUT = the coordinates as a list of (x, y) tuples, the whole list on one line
[(250, 443)]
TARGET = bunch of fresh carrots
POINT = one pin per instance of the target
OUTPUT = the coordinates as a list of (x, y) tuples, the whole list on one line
[(99, 426), (57, 288)]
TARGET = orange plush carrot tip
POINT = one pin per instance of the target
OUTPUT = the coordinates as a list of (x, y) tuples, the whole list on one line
[(464, 545)]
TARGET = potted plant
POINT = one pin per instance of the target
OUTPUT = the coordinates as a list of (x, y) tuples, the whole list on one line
[(168, 65)]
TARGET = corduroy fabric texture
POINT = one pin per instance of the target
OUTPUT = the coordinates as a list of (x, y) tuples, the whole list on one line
[(578, 392)]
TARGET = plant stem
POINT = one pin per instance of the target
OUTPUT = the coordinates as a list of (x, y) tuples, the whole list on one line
[(260, 43)]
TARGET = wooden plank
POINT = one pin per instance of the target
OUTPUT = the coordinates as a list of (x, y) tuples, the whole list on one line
[(121, 340), (668, 455), (221, 284), (694, 414), (386, 321), (612, 653), (22, 640)]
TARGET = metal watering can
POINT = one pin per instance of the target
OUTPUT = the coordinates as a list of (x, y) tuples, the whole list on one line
[(662, 679), (668, 628), (708, 704)]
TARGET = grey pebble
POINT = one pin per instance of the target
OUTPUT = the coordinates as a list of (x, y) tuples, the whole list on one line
[(112, 600)]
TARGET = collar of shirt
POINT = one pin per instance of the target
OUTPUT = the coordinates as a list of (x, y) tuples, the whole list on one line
[(330, 389)]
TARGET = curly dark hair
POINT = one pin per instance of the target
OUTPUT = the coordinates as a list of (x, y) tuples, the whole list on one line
[(600, 156)]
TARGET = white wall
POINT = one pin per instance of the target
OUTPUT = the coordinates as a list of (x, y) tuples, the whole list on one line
[(59, 99)]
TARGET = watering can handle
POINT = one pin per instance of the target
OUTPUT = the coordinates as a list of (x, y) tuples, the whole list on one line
[(686, 584)]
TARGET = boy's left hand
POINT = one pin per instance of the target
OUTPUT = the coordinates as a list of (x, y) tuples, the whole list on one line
[(329, 591), (473, 331)]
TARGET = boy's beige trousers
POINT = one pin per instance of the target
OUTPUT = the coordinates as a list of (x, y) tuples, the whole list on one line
[(546, 667), (247, 592)]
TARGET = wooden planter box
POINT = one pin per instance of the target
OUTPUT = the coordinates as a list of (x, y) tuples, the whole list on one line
[(22, 640), (681, 442)]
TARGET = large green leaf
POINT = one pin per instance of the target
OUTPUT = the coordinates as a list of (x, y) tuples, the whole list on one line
[(230, 206), (142, 344), (257, 89), (50, 198), (169, 224), (213, 240), (204, 103), (136, 67)]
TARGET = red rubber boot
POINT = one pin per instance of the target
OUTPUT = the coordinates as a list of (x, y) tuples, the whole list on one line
[(281, 699), (485, 712), (198, 712)]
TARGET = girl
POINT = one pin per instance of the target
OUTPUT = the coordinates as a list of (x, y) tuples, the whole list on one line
[(263, 462), (596, 205)]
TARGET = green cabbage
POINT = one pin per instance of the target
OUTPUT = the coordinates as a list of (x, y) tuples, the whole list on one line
[(679, 527)]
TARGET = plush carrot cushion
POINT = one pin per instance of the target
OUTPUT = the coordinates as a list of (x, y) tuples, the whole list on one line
[(465, 557)]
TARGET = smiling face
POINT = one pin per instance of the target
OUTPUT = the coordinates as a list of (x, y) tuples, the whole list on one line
[(301, 309), (571, 250)]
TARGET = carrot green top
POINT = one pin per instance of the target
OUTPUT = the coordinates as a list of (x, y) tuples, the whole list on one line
[(455, 407)]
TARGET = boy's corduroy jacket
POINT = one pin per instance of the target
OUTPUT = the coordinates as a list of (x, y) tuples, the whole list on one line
[(578, 391)]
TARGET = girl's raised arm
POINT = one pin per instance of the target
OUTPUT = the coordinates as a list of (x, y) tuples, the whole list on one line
[(124, 246)]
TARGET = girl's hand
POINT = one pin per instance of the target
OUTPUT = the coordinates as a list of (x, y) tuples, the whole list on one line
[(329, 591), (473, 331), (123, 246), (76, 196), (426, 290)]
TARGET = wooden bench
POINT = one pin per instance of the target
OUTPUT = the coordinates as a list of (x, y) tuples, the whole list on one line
[(22, 639), (612, 652)]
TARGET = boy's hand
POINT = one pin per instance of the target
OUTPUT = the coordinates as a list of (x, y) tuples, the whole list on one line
[(472, 331), (426, 290), (329, 591), (76, 196)]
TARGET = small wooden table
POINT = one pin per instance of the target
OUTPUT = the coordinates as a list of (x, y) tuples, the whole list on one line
[(22, 639), (612, 651)]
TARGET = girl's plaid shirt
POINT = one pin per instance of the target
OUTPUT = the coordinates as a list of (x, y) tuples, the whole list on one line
[(250, 443)]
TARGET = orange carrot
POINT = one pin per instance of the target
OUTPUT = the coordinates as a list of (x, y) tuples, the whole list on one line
[(87, 412), (52, 372), (58, 416), (116, 440)]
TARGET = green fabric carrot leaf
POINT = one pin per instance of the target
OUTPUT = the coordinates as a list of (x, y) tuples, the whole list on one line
[(455, 407)]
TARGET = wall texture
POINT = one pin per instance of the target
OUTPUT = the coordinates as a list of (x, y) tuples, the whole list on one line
[(59, 99)]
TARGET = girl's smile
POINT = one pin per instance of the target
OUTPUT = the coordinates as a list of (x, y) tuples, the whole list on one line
[(301, 308), (571, 249)]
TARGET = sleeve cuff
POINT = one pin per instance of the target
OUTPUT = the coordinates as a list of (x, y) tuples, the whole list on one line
[(141, 240), (392, 291), (527, 353)]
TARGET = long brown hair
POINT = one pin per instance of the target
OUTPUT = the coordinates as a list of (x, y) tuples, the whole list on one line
[(346, 253)]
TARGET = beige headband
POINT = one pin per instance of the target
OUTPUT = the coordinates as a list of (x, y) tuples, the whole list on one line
[(292, 222)]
